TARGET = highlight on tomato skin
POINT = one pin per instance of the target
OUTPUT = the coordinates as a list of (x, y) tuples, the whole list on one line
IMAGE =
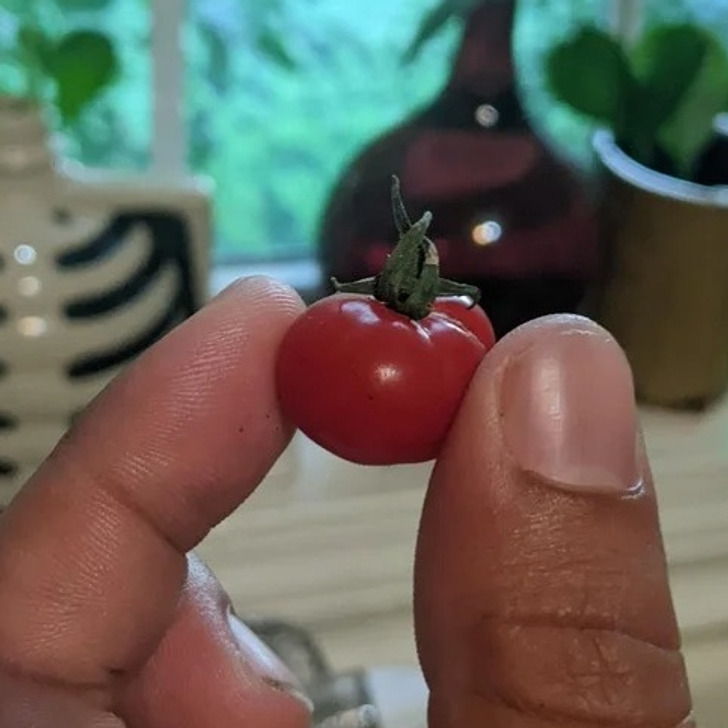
[(375, 373), (374, 387)]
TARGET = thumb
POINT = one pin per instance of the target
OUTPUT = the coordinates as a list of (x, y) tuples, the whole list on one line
[(541, 587)]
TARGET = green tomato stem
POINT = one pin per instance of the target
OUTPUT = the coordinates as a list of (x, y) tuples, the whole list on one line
[(410, 281)]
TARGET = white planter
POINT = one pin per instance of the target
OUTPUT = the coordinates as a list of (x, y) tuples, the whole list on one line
[(93, 268)]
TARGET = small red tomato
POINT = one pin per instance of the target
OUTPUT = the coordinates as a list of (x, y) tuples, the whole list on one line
[(473, 317), (374, 386)]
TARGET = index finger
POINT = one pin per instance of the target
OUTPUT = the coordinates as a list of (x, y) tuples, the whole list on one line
[(92, 552)]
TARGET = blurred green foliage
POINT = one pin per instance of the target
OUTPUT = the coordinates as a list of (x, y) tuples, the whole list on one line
[(659, 95), (43, 61), (116, 130), (279, 101)]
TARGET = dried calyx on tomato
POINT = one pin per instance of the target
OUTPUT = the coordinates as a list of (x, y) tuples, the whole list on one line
[(376, 372), (410, 280)]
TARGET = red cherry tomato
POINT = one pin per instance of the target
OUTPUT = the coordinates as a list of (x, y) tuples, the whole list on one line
[(474, 318), (374, 386)]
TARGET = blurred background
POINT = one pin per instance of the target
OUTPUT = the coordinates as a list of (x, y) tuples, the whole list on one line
[(574, 154), (276, 97)]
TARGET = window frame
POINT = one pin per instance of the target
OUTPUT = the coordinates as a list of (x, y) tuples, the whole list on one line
[(169, 133)]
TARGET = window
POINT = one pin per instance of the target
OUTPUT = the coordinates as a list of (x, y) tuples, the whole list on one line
[(271, 99)]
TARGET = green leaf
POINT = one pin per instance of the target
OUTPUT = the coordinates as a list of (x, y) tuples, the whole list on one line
[(82, 64), (271, 45), (691, 126), (590, 73), (666, 62)]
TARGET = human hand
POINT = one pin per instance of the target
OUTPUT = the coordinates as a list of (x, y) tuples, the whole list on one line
[(541, 591)]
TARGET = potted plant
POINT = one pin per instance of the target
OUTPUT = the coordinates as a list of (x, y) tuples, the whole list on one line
[(663, 288)]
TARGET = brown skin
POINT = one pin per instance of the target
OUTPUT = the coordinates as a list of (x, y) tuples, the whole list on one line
[(101, 607)]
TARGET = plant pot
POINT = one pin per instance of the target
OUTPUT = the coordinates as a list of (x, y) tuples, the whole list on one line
[(93, 269), (663, 291)]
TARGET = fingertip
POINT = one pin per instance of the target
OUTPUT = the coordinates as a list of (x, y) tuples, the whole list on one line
[(262, 289), (542, 329)]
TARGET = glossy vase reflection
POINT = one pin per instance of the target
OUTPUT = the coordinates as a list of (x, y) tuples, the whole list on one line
[(509, 216)]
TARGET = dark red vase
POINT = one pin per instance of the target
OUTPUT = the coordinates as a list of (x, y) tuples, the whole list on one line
[(509, 216)]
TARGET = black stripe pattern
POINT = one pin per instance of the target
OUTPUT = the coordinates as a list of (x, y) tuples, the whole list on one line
[(171, 247)]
